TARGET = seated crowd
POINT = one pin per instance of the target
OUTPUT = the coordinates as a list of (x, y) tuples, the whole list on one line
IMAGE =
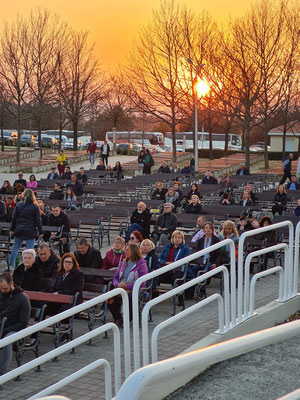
[(142, 250)]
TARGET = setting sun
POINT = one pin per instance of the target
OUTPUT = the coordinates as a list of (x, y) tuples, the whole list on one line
[(202, 87)]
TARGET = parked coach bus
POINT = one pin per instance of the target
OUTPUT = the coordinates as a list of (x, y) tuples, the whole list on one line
[(155, 138)]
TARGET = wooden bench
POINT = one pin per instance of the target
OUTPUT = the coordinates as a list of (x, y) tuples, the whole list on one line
[(59, 331)]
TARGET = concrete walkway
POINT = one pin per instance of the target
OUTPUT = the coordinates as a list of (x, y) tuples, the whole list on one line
[(267, 374)]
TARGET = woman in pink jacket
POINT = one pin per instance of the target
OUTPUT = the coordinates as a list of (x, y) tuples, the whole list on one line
[(131, 268), (115, 255), (32, 183)]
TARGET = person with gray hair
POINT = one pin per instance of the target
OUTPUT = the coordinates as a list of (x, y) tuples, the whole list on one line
[(140, 221), (28, 275), (26, 224)]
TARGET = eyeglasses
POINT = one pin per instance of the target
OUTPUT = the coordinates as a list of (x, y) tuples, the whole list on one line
[(132, 237), (68, 262)]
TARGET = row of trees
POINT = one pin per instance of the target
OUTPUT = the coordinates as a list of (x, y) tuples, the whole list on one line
[(251, 65), (46, 69)]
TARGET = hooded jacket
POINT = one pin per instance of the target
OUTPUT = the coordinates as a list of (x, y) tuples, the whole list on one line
[(16, 307), (139, 269)]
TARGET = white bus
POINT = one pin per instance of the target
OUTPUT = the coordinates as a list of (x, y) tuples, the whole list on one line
[(154, 138), (218, 140)]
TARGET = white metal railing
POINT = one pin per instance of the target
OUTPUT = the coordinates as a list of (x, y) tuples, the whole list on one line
[(179, 289), (162, 270), (54, 398), (296, 260), (256, 253), (214, 297), (295, 395), (289, 261), (261, 275), (68, 346), (79, 374), (199, 360)]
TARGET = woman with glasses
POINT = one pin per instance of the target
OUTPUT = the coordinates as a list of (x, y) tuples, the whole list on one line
[(115, 255), (135, 238), (69, 280), (131, 268)]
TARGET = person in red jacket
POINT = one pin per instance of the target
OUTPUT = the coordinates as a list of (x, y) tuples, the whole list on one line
[(91, 149), (115, 255)]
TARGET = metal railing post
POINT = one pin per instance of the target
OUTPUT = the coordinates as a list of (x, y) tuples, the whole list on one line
[(296, 260), (241, 257), (162, 270)]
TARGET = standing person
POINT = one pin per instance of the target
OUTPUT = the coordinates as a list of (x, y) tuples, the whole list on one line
[(26, 220), (287, 167), (105, 149), (148, 162), (32, 183), (15, 306), (91, 150), (61, 162), (141, 158)]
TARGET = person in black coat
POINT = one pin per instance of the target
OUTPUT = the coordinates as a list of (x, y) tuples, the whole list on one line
[(53, 174), (194, 206), (67, 174), (3, 210), (82, 177), (164, 168), (20, 181), (76, 186), (69, 280), (280, 200), (242, 170), (28, 275), (57, 193), (118, 170), (15, 306), (88, 257), (208, 179), (227, 199), (293, 185), (194, 190), (140, 221), (59, 218), (47, 261), (26, 224), (165, 225), (159, 192)]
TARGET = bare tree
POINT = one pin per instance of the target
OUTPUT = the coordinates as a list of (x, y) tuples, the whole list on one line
[(151, 78), (80, 80), (47, 33), (15, 70)]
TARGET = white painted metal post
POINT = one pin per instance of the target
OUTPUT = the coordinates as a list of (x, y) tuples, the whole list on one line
[(260, 275), (171, 293), (214, 297), (160, 271), (241, 257), (79, 374), (296, 260), (247, 272)]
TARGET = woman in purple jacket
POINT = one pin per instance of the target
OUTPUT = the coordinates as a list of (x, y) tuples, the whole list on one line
[(130, 269)]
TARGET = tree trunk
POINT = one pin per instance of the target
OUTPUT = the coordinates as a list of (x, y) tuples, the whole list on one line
[(247, 142), (284, 138), (19, 135), (266, 154), (174, 142), (226, 143), (2, 139), (75, 127)]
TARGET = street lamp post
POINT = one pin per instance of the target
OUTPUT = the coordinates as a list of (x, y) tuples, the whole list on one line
[(195, 80)]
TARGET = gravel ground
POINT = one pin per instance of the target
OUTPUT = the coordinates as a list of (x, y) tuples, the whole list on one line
[(266, 374)]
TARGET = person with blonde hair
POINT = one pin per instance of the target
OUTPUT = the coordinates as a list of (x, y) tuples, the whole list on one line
[(173, 251), (194, 206), (280, 200), (228, 231), (26, 221), (149, 254)]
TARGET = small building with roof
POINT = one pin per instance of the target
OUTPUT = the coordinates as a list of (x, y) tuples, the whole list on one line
[(292, 137)]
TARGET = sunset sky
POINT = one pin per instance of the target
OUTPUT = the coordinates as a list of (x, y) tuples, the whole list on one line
[(113, 23)]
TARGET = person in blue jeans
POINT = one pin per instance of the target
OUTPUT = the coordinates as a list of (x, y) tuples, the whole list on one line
[(25, 224)]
